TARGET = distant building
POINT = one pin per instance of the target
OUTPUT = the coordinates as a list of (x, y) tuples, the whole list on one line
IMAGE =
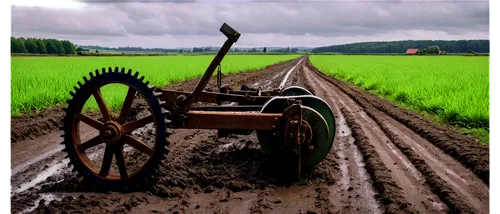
[(412, 51)]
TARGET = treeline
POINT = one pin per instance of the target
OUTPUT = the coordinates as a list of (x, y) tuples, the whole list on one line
[(191, 50), (453, 46), (135, 49), (41, 46)]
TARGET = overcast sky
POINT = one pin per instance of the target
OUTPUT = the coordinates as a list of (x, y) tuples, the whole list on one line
[(170, 24)]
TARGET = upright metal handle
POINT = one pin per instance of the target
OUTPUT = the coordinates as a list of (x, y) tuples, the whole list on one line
[(232, 36)]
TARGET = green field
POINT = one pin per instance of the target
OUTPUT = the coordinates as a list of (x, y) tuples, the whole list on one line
[(38, 83), (450, 89)]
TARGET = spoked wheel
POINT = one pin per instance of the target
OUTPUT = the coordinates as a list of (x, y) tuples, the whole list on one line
[(137, 143)]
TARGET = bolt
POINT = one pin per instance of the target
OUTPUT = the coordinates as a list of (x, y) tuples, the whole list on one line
[(311, 147), (107, 133)]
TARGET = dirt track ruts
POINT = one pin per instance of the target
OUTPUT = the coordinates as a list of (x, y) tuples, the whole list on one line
[(384, 160)]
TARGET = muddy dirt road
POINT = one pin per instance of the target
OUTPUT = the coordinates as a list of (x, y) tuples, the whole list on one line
[(384, 160)]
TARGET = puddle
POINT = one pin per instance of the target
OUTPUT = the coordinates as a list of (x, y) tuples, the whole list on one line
[(42, 176)]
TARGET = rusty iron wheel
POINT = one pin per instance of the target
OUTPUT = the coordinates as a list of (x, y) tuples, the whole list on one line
[(114, 133)]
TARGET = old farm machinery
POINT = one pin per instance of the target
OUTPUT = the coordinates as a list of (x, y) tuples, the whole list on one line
[(292, 126)]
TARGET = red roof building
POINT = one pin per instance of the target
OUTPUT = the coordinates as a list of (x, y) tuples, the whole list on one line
[(412, 51)]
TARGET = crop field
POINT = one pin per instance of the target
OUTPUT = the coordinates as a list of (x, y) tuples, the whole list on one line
[(453, 89), (41, 82)]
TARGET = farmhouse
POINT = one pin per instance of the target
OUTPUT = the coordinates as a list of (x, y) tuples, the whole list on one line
[(412, 51)]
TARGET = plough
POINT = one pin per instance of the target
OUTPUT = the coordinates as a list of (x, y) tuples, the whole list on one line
[(293, 126)]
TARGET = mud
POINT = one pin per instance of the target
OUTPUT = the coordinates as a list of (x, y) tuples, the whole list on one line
[(464, 148), (378, 164)]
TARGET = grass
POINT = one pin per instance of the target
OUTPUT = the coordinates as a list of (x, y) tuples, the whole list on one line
[(38, 83), (451, 89)]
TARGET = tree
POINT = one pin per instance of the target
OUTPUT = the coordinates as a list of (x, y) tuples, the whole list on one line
[(31, 46), (96, 51), (60, 48), (422, 52), (17, 45), (51, 48), (69, 48), (40, 46), (265, 50), (433, 49)]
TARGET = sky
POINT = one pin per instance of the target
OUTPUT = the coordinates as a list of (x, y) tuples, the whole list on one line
[(277, 23)]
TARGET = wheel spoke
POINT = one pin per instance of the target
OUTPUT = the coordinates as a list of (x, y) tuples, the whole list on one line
[(120, 161), (138, 144), (106, 161), (131, 126), (127, 103), (89, 144), (89, 121), (102, 105)]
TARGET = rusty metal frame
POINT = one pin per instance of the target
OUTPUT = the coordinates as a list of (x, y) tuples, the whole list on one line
[(244, 116), (232, 120)]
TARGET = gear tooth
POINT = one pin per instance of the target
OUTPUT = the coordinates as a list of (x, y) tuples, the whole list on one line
[(64, 150), (80, 84), (68, 101), (62, 143), (61, 128), (91, 75), (136, 74), (116, 69), (67, 156), (65, 109), (73, 170), (110, 70), (129, 72), (72, 93), (147, 82), (97, 72), (156, 94), (152, 88), (142, 78), (62, 135), (123, 70), (85, 79), (103, 70)]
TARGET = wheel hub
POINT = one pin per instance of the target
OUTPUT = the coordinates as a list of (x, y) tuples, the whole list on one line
[(111, 132)]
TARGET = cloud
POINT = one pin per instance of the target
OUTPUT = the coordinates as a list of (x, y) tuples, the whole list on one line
[(283, 23)]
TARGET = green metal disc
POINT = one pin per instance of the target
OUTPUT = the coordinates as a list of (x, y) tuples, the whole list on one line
[(319, 141), (295, 91), (271, 143)]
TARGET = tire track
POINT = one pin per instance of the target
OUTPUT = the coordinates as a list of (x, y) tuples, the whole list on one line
[(463, 148), (399, 184), (455, 185)]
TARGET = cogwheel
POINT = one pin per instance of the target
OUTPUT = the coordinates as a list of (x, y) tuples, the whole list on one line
[(136, 158)]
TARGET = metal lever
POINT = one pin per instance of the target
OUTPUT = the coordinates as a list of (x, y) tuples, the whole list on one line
[(230, 32), (232, 36)]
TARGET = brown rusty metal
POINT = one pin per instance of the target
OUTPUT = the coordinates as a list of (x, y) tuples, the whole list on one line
[(232, 37), (170, 98), (292, 118), (232, 120), (228, 108)]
